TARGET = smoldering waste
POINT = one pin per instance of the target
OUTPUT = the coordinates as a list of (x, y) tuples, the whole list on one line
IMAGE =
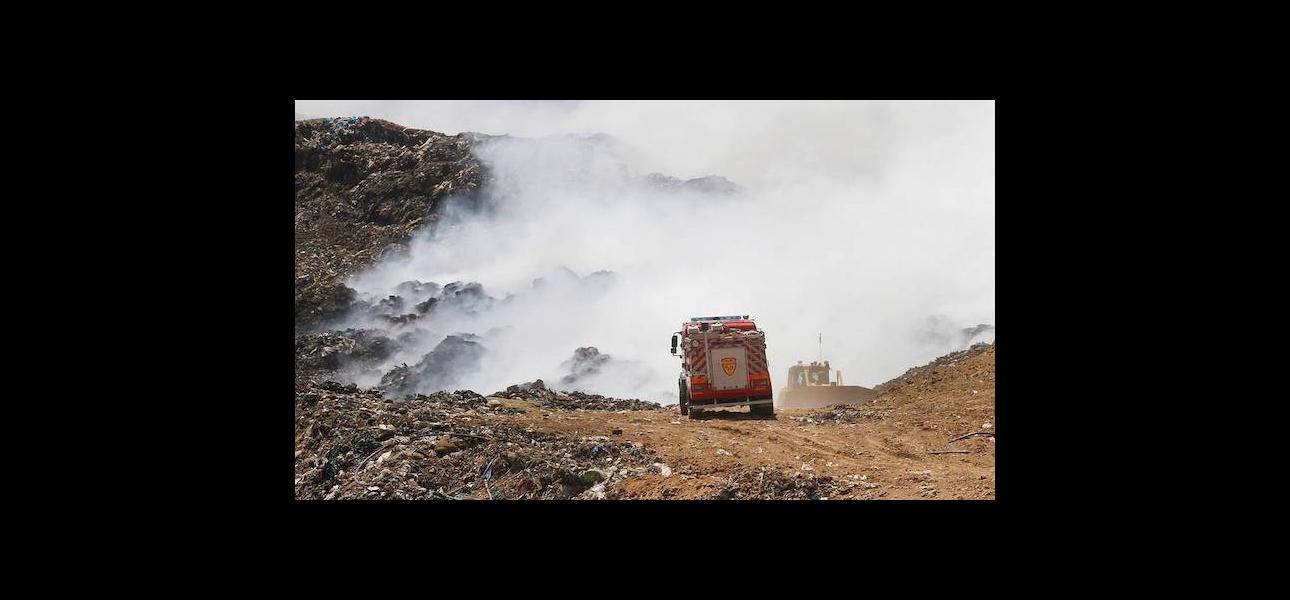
[(356, 444), (575, 400), (585, 362)]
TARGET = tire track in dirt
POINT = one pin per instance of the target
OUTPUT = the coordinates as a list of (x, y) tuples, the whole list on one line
[(884, 456)]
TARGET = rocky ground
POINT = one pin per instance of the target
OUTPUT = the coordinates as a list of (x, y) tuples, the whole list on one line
[(929, 435), (355, 444)]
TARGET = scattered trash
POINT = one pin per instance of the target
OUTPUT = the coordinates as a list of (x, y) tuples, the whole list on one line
[(537, 390), (842, 413), (597, 492), (341, 123), (945, 361), (770, 484), (353, 443)]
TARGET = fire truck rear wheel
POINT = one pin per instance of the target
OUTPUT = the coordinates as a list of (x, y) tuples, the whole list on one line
[(684, 399)]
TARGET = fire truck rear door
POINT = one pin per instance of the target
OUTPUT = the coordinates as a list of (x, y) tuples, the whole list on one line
[(729, 368)]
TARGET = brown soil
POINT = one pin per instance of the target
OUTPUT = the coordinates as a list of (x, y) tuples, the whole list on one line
[(888, 447), (538, 447)]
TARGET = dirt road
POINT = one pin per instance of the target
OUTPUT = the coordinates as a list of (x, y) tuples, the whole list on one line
[(928, 435), (885, 452), (869, 459)]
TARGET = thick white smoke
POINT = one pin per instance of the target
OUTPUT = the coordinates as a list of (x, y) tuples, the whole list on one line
[(872, 223)]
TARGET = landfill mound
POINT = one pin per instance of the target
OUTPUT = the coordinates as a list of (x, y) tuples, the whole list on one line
[(944, 362), (586, 362), (363, 186), (537, 390), (711, 184), (355, 444), (440, 368), (340, 351), (953, 394)]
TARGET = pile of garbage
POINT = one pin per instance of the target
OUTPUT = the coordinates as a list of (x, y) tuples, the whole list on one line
[(842, 413), (537, 390), (356, 444), (363, 186), (533, 390), (586, 362), (440, 368), (342, 123), (711, 184), (416, 299), (580, 400), (337, 350), (769, 483), (949, 360)]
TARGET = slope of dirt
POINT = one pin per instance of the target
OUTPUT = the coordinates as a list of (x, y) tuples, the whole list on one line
[(953, 394), (949, 360), (363, 186), (881, 450)]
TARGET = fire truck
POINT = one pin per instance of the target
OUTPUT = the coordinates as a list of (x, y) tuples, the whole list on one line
[(723, 363)]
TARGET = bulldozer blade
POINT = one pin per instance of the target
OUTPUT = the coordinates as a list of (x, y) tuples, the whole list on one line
[(825, 395)]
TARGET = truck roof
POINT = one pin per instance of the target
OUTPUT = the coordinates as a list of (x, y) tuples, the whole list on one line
[(709, 319), (743, 324)]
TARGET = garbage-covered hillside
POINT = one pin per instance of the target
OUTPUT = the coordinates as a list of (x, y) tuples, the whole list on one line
[(480, 317)]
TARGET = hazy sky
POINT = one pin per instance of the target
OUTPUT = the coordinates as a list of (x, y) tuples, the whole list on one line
[(861, 220), (752, 142)]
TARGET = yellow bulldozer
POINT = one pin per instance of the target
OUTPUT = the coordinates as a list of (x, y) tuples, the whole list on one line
[(809, 386)]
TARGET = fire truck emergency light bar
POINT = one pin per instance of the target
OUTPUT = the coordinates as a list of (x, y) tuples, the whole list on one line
[(708, 319)]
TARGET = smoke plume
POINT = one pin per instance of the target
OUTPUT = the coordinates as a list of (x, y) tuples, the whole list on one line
[(606, 224)]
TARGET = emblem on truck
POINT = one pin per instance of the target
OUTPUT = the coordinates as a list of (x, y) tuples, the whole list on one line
[(728, 365)]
